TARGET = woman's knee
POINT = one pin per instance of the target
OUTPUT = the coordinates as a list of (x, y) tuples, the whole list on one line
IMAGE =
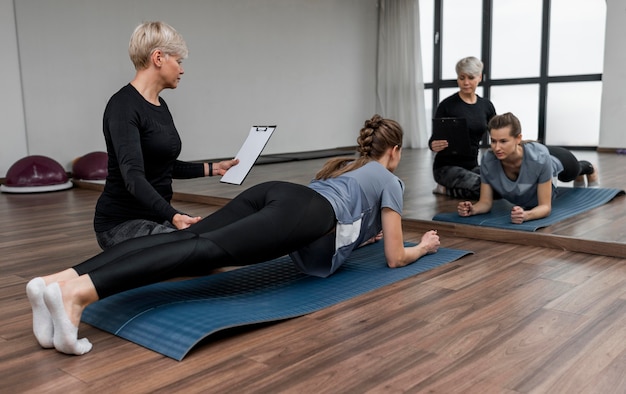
[(586, 168)]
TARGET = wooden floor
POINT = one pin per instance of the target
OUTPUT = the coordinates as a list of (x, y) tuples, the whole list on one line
[(514, 317)]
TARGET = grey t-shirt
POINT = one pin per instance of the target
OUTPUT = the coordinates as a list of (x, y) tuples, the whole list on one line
[(538, 166), (357, 198)]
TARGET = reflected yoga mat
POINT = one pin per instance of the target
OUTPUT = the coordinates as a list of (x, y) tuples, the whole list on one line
[(569, 202), (172, 317)]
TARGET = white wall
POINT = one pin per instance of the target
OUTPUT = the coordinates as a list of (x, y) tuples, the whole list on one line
[(613, 109), (12, 127), (307, 66)]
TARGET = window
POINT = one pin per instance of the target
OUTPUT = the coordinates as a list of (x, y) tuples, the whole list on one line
[(577, 37), (523, 101), (573, 114), (458, 37), (516, 39)]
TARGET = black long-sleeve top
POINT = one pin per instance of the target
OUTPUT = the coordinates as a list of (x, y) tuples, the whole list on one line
[(477, 116), (143, 146)]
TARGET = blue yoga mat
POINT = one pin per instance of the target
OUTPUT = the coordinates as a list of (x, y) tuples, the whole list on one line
[(172, 317), (569, 202)]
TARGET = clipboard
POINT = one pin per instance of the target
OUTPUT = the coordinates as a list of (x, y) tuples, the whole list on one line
[(453, 130), (248, 154)]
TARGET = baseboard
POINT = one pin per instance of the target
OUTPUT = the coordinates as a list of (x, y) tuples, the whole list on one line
[(602, 248)]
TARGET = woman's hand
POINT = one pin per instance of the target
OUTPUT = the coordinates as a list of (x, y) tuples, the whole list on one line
[(438, 145), (465, 208), (430, 242), (223, 166), (517, 215), (181, 221), (543, 209)]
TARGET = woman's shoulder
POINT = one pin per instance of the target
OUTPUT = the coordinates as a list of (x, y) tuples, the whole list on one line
[(126, 91), (388, 177), (124, 96), (373, 170), (375, 166), (370, 169), (535, 147), (448, 106), (129, 99), (536, 151), (453, 98), (489, 160), (486, 103)]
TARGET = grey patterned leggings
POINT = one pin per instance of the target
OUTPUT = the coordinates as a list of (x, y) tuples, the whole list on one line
[(458, 181), (131, 229)]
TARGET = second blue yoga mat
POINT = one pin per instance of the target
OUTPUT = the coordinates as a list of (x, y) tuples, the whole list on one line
[(569, 202), (172, 317)]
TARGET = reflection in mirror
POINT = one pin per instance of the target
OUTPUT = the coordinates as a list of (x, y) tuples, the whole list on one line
[(522, 100), (516, 39), (577, 28), (461, 33), (573, 116)]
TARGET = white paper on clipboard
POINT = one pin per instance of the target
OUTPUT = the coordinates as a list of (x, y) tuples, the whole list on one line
[(249, 152)]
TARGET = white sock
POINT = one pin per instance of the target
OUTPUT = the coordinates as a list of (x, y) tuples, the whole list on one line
[(65, 333), (42, 321)]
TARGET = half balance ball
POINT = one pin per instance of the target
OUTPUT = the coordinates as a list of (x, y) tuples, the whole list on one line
[(91, 167), (34, 174)]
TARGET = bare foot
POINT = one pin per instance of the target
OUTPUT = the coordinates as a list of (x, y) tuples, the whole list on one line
[(592, 179)]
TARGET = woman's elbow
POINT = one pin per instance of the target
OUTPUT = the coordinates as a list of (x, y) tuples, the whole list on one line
[(395, 262), (392, 264)]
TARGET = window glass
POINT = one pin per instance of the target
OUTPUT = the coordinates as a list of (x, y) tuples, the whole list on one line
[(516, 39), (461, 33), (426, 12), (576, 37), (573, 113), (523, 102)]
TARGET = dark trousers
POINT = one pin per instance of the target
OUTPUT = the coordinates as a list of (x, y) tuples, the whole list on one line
[(572, 167), (264, 222)]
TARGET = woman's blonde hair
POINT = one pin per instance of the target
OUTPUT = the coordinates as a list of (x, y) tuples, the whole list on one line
[(150, 36), (376, 136)]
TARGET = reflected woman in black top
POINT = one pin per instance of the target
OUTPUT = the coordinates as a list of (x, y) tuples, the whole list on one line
[(458, 175)]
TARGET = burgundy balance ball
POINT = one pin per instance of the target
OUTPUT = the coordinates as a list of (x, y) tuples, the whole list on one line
[(91, 167), (35, 173)]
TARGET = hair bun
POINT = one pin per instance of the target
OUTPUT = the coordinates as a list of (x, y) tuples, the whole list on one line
[(374, 123)]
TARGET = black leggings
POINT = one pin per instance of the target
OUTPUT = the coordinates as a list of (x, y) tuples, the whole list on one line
[(264, 222), (572, 168)]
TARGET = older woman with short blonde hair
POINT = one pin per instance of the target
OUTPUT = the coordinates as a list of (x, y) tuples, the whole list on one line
[(143, 144), (458, 174)]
